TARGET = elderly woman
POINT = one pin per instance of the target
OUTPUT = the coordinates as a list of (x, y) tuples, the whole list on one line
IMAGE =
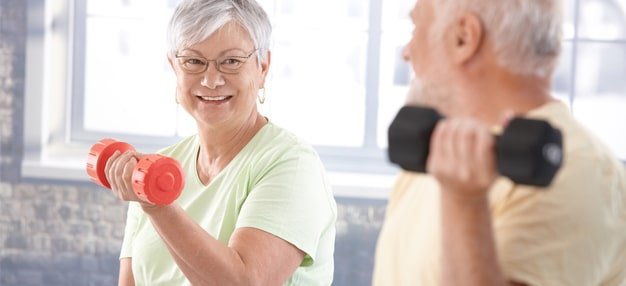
[(256, 208)]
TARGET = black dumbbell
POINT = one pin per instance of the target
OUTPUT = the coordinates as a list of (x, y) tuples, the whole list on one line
[(528, 152)]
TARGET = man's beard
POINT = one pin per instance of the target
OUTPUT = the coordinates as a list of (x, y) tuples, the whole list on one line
[(437, 96), (415, 93)]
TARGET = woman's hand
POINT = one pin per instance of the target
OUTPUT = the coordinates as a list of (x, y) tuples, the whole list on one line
[(462, 157), (119, 172)]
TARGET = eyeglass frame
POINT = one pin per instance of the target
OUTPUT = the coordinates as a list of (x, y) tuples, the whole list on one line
[(243, 59)]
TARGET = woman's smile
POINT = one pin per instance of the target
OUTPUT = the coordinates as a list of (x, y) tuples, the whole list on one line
[(220, 99)]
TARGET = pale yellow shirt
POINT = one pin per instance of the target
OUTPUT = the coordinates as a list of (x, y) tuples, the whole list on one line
[(276, 183), (572, 233)]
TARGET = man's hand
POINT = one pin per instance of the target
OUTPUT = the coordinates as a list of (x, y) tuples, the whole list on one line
[(462, 157)]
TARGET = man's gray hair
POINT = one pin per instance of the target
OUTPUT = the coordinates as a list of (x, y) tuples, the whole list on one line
[(526, 33), (195, 20)]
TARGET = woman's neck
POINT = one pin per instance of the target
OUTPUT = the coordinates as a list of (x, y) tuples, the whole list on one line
[(219, 145)]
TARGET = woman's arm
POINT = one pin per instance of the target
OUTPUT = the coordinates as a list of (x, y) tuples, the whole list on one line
[(126, 272), (252, 257)]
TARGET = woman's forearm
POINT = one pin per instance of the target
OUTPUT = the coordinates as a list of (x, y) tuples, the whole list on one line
[(126, 277), (203, 259)]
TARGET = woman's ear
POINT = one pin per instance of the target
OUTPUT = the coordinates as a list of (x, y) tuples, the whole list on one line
[(466, 37), (265, 67), (170, 60)]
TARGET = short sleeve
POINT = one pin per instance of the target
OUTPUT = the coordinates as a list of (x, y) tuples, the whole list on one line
[(132, 220), (293, 201), (564, 235)]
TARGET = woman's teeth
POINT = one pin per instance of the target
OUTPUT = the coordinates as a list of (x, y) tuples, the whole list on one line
[(214, 98)]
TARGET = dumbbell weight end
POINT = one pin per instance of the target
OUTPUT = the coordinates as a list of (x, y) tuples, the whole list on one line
[(156, 178), (98, 156)]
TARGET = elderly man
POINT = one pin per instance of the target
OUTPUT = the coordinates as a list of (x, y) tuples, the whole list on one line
[(478, 62)]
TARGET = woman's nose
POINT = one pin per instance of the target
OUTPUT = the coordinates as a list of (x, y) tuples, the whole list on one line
[(212, 78)]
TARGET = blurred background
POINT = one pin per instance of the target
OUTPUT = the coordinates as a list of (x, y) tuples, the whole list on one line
[(75, 71)]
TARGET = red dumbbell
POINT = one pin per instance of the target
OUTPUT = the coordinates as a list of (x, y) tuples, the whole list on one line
[(156, 178)]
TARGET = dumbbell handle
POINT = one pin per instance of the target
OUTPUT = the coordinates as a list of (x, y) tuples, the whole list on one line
[(156, 178), (528, 151)]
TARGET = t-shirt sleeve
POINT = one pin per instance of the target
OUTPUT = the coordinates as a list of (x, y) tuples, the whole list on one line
[(293, 201), (564, 235), (132, 220)]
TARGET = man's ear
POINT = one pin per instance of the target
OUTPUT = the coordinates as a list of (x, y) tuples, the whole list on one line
[(466, 37), (265, 67)]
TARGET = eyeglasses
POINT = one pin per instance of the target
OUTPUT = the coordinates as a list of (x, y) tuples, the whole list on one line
[(224, 64)]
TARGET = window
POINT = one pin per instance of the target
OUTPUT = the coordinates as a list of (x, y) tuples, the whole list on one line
[(594, 63), (98, 69)]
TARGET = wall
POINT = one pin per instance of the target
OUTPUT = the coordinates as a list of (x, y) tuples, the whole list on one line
[(51, 233), (65, 233)]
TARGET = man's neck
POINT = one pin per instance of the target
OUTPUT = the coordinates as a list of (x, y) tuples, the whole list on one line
[(500, 95)]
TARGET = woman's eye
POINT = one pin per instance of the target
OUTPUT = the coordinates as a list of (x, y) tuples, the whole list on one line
[(194, 61), (231, 61)]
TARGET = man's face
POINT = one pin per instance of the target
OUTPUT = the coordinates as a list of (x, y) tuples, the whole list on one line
[(417, 50), (426, 55)]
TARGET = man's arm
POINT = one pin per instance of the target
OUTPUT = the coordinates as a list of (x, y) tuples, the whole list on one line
[(469, 252), (463, 161)]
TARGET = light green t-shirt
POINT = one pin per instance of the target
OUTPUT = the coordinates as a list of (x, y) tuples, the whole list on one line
[(276, 183)]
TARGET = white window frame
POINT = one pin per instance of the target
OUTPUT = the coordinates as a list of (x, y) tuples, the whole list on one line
[(55, 145)]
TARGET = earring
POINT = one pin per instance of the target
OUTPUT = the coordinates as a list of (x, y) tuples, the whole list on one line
[(261, 96), (176, 97)]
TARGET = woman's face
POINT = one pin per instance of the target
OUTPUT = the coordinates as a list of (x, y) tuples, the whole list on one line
[(220, 98)]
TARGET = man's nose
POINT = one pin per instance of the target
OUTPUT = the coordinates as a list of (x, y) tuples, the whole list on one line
[(405, 53)]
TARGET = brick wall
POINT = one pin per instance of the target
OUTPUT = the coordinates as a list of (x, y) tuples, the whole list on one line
[(51, 233), (67, 233)]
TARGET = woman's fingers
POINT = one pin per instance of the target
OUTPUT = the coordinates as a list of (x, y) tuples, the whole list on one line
[(108, 168), (127, 174), (119, 169)]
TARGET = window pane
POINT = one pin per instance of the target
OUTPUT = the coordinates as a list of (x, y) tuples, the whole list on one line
[(122, 8), (129, 86), (396, 14), (602, 19), (125, 62), (395, 73), (568, 18), (600, 101), (327, 14), (317, 85), (562, 79)]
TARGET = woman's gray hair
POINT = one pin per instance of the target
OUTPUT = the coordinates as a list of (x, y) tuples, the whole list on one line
[(195, 20), (526, 33)]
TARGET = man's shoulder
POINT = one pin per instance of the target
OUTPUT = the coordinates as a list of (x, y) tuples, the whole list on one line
[(580, 145)]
